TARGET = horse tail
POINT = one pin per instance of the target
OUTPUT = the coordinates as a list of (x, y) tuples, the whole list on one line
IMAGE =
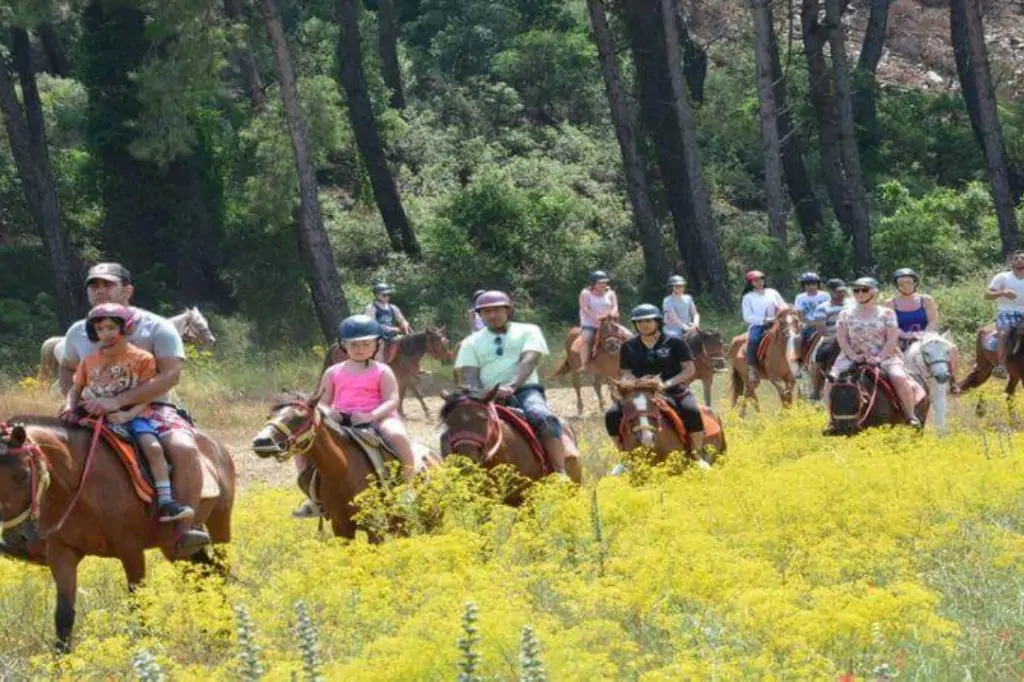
[(738, 384), (565, 367)]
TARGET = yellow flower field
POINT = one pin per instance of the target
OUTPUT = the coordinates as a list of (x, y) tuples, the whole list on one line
[(888, 555)]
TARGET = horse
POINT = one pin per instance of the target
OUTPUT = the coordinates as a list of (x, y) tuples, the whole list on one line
[(649, 421), (298, 425), (404, 359), (64, 492), (604, 362), (863, 397), (822, 356), (986, 359), (928, 361), (480, 429), (709, 356), (779, 353), (191, 324)]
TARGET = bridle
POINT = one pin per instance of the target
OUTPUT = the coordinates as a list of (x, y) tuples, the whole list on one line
[(39, 479), (488, 443), (437, 345), (652, 414), (297, 441)]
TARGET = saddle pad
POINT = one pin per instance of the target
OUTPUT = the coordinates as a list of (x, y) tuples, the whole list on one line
[(130, 457), (211, 485), (519, 423), (374, 446), (808, 348), (712, 427), (762, 348)]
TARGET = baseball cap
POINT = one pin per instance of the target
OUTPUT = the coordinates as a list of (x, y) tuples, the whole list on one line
[(111, 272)]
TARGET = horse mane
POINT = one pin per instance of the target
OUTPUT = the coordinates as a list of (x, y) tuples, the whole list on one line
[(287, 397), (644, 384)]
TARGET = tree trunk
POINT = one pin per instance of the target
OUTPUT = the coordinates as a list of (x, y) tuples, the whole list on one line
[(56, 57), (860, 221), (243, 54), (801, 189), (695, 59), (625, 131), (865, 108), (968, 33), (387, 36), (700, 199), (771, 148), (328, 297), (27, 135), (364, 125)]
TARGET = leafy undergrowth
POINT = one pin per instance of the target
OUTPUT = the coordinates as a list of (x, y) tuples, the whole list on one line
[(887, 555)]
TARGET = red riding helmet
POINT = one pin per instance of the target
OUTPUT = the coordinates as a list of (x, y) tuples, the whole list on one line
[(109, 311), (492, 299), (754, 274)]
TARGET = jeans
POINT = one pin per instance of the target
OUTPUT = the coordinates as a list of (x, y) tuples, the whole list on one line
[(532, 401), (754, 336)]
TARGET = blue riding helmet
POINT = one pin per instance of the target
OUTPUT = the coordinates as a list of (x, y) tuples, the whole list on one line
[(599, 276), (358, 328), (382, 288), (810, 278)]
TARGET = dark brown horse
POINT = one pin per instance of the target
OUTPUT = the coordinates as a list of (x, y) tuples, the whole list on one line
[(986, 360), (648, 421), (824, 356), (80, 504), (406, 360), (604, 358), (709, 356), (863, 397), (781, 345), (297, 426), (474, 428)]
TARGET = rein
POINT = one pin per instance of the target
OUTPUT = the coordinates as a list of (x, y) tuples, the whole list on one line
[(491, 442), (653, 414), (300, 440)]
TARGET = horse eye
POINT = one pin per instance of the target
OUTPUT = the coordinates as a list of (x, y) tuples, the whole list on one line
[(21, 476)]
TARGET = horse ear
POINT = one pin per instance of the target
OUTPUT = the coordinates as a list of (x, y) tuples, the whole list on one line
[(445, 394), (18, 437)]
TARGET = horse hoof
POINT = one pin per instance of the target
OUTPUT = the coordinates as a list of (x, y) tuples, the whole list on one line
[(190, 542)]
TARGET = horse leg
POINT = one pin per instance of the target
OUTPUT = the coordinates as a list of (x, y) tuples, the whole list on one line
[(416, 392), (577, 386), (401, 399), (597, 390), (938, 394), (63, 562)]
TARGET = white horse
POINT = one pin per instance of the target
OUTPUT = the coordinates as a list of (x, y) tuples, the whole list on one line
[(192, 325), (929, 359)]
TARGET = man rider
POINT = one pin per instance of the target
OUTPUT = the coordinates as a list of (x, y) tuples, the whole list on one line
[(389, 317), (824, 320), (112, 283), (506, 354), (1007, 289), (652, 352)]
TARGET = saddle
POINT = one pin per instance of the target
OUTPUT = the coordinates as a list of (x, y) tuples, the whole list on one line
[(712, 427), (807, 352), (371, 442), (121, 442), (517, 421)]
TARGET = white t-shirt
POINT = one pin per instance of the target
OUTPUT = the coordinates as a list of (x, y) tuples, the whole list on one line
[(1007, 280), (497, 355), (757, 306)]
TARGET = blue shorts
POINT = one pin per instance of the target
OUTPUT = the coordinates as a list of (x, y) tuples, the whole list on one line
[(1008, 319), (531, 400), (140, 426)]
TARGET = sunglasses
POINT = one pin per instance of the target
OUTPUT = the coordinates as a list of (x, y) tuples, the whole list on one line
[(861, 290), (499, 349)]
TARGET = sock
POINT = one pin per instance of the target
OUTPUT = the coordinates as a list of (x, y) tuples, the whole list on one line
[(163, 491)]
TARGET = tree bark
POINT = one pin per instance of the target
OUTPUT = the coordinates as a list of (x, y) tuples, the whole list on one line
[(27, 135), (328, 297), (387, 37), (806, 206), (860, 221), (625, 131), (243, 54), (56, 57), (979, 94), (865, 107), (364, 125), (771, 147), (700, 199)]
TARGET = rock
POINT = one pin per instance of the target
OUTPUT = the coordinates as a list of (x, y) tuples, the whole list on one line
[(934, 78)]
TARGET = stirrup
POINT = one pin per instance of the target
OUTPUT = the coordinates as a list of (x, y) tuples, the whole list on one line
[(308, 510)]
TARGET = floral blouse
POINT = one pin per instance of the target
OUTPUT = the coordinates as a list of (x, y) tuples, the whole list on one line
[(867, 334)]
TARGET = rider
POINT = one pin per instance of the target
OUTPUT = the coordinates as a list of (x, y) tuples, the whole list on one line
[(597, 300), (915, 313), (681, 313), (760, 305), (111, 283), (506, 354), (364, 390), (391, 319), (476, 323), (824, 320), (808, 301), (116, 367), (869, 334), (1007, 289), (653, 352)]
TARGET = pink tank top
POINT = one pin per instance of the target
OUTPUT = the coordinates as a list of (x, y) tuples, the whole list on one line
[(599, 305), (356, 392)]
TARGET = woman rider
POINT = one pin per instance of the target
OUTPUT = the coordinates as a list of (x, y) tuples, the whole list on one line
[(681, 314), (653, 352), (597, 300), (760, 305), (868, 333), (916, 313)]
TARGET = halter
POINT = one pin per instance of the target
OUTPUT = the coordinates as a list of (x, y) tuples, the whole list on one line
[(877, 382), (39, 467), (653, 414), (491, 442), (300, 440)]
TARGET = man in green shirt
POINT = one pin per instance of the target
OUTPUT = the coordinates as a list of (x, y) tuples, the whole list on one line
[(506, 354)]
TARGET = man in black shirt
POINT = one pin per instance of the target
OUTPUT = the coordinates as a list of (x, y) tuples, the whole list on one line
[(652, 352)]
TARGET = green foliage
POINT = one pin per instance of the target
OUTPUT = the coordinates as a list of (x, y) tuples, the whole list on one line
[(470, 659), (249, 653)]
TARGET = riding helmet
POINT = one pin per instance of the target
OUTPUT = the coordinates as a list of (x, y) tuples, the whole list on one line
[(810, 278), (359, 328), (835, 284), (905, 272), (645, 311), (677, 281), (599, 276), (109, 311), (754, 274), (492, 299), (476, 295), (869, 282), (382, 288)]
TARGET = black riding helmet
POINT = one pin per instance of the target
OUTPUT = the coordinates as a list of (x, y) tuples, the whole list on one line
[(646, 311), (810, 278), (905, 272), (835, 284)]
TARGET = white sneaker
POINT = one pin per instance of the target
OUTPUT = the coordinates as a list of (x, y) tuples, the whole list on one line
[(308, 510), (703, 464)]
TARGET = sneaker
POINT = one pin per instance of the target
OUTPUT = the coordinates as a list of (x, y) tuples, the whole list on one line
[(618, 470), (308, 510), (703, 463), (999, 372), (752, 376), (172, 511), (915, 422)]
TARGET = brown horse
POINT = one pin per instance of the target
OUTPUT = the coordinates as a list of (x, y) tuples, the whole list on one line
[(819, 365), (604, 358), (475, 428), (781, 348), (863, 397), (986, 360), (405, 362), (709, 356), (70, 497), (649, 421), (297, 426)]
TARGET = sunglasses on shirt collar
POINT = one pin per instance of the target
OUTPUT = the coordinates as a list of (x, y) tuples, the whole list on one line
[(499, 349)]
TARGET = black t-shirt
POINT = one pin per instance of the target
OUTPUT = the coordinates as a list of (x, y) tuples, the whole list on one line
[(665, 358)]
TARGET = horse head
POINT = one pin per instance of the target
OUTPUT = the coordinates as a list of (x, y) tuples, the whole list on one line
[(290, 428), (714, 346), (609, 340), (23, 476), (846, 399), (787, 325), (437, 344), (473, 428), (640, 415), (933, 351), (194, 327)]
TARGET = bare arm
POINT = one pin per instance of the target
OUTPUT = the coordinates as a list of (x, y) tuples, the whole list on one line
[(471, 377), (66, 373), (403, 324), (528, 362), (684, 377), (892, 340), (71, 403), (123, 416), (389, 393), (696, 315), (843, 338), (614, 312), (932, 310), (326, 390), (993, 294)]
